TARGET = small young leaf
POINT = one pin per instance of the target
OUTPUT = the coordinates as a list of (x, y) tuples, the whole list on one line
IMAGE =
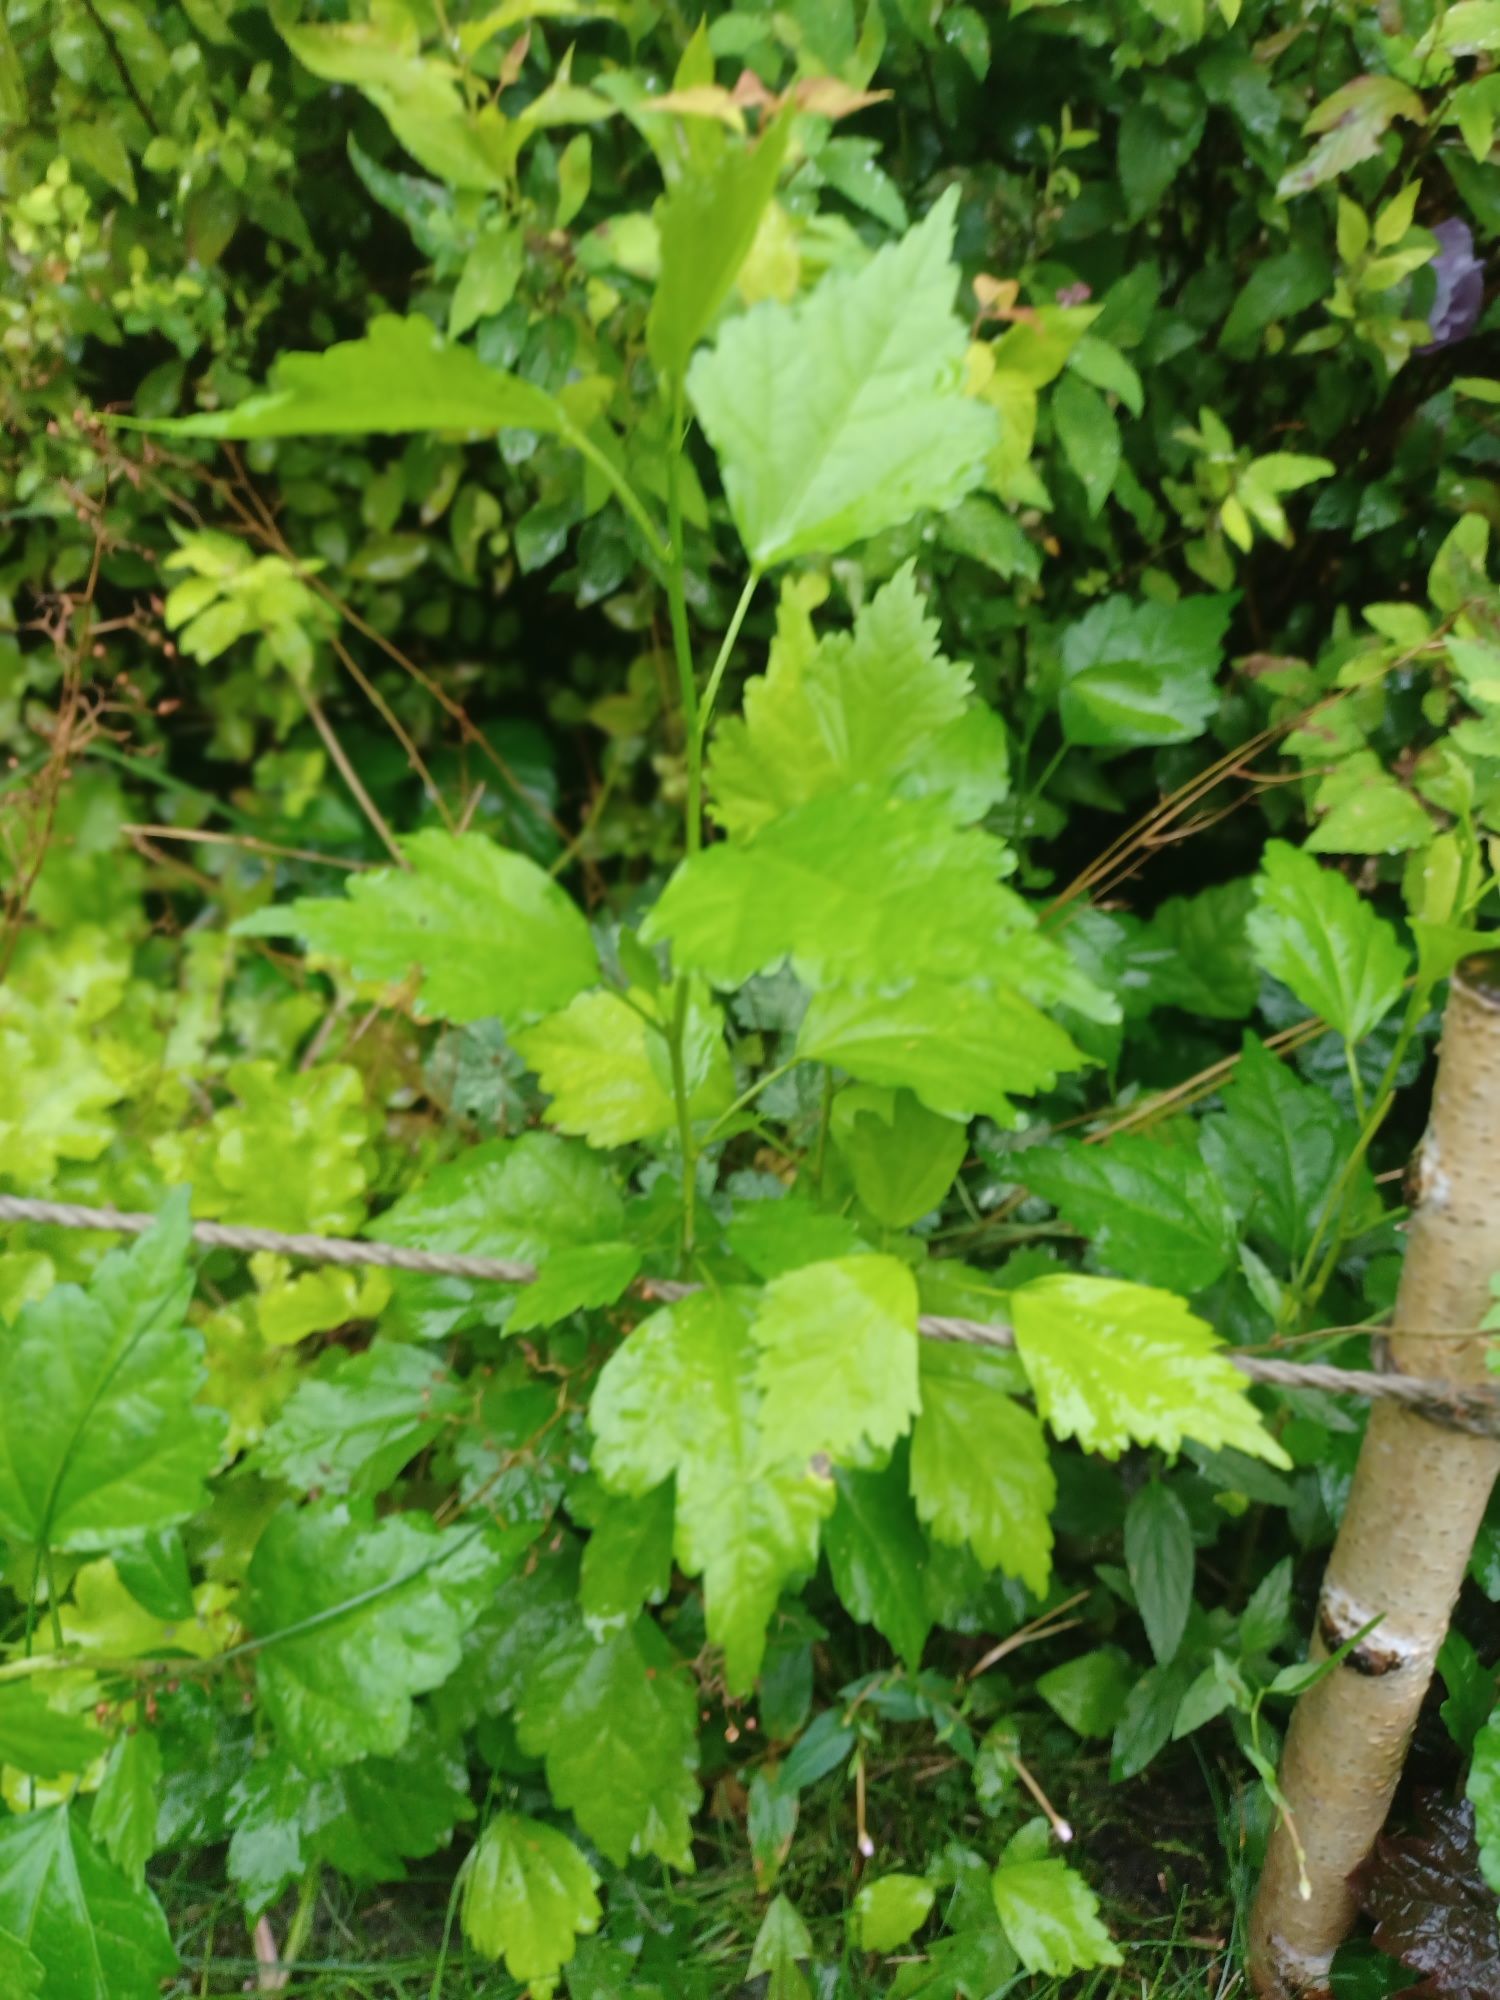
[(890, 1910), (680, 1397), (528, 1894), (1049, 1912), (838, 710), (1313, 930), (1159, 1558)]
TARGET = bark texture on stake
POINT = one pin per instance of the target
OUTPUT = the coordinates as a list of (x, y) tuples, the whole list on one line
[(1418, 1496)]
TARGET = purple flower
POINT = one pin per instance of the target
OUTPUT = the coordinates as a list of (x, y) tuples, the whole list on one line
[(1459, 298)]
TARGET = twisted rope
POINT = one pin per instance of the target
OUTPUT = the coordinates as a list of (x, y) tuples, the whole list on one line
[(1456, 1405)]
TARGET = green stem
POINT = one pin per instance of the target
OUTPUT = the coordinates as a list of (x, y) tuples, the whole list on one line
[(302, 1917), (1331, 1214), (706, 709), (675, 1041), (53, 1612), (622, 489), (748, 1096), (682, 647), (824, 1121)]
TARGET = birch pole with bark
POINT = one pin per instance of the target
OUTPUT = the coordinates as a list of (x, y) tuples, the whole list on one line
[(1418, 1497)]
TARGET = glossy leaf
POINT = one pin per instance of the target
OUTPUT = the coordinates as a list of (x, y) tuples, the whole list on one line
[(617, 1721), (980, 1472), (97, 1936), (528, 1895), (1114, 1364), (1149, 1210), (100, 1437), (864, 374), (1313, 930), (1433, 1910), (838, 1360), (1048, 1911), (355, 1617)]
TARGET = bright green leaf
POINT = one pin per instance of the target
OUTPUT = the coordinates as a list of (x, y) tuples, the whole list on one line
[(1051, 1916), (980, 1472), (838, 1360), (707, 223), (1313, 930), (680, 1397), (100, 1435), (617, 1721), (607, 1067), (838, 710), (400, 376), (891, 1909), (864, 375), (528, 1894), (97, 1935), (488, 930), (1114, 1364)]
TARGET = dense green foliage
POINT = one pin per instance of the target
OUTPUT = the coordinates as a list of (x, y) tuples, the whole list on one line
[(846, 656)]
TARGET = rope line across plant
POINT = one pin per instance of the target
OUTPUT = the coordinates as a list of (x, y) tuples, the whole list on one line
[(1456, 1405)]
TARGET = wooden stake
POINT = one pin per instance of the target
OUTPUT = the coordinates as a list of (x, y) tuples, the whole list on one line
[(1418, 1497)]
